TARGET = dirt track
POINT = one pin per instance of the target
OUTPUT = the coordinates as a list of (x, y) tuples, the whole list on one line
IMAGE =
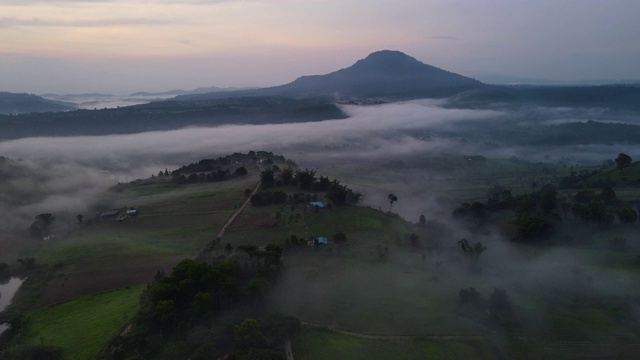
[(233, 217)]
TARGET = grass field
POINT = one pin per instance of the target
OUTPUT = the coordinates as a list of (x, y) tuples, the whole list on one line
[(314, 343), (174, 222), (83, 326), (406, 299)]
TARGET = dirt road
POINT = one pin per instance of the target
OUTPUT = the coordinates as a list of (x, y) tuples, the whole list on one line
[(233, 217)]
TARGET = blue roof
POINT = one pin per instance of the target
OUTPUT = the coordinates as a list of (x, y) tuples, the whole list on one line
[(322, 240), (317, 203)]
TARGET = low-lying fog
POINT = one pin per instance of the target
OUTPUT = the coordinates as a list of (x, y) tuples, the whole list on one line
[(83, 166), (101, 101), (78, 169)]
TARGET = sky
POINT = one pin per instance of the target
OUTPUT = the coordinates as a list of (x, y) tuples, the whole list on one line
[(120, 47)]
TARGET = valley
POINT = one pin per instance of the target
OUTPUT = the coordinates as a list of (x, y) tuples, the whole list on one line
[(379, 223)]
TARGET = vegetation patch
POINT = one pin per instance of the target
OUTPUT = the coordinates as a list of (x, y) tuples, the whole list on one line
[(83, 326), (317, 343)]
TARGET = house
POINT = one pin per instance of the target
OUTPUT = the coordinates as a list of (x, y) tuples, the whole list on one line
[(317, 203), (109, 214), (132, 212)]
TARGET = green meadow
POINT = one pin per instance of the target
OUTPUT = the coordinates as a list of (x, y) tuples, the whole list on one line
[(82, 327)]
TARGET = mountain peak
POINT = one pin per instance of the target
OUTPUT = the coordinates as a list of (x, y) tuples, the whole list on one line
[(386, 73), (395, 62), (388, 56)]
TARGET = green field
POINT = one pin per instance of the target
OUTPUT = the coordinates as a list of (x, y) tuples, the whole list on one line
[(83, 326), (396, 300), (174, 222), (315, 343)]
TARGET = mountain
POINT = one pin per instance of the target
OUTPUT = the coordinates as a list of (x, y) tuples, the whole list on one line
[(12, 103), (383, 74)]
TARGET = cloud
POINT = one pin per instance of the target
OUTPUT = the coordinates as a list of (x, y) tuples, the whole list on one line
[(15, 22)]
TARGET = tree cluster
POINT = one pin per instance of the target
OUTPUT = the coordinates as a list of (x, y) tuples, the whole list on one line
[(473, 252), (42, 226), (305, 180), (184, 307), (496, 310)]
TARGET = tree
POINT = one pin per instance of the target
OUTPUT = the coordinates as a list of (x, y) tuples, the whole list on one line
[(272, 255), (473, 252), (80, 218), (498, 194), (42, 225), (337, 193), (548, 198), (627, 215), (422, 221), (248, 334), (392, 198), (287, 175), (340, 237), (469, 295), (241, 171), (305, 178), (623, 160), (267, 178), (250, 250), (414, 239), (608, 195)]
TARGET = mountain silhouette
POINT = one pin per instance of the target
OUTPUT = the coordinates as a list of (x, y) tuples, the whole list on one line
[(386, 73), (13, 103), (383, 73)]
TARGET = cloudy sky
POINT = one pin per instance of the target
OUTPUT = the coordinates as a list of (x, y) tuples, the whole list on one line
[(122, 46)]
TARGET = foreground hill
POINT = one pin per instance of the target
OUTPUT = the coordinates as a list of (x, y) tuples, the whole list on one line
[(11, 103)]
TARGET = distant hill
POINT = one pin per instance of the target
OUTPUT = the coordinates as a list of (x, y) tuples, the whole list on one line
[(514, 80), (71, 97), (383, 74), (620, 97), (169, 115), (200, 90), (12, 103)]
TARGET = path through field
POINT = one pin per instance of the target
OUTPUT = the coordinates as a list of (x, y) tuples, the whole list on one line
[(233, 217)]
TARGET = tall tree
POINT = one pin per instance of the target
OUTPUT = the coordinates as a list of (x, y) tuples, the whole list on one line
[(627, 215), (623, 160), (392, 198), (267, 178), (305, 178)]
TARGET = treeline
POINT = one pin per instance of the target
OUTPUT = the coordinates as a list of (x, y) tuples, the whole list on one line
[(538, 215), (169, 115), (212, 170), (209, 165), (306, 180), (209, 311)]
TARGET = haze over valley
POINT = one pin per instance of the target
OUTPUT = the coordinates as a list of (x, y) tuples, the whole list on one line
[(340, 180)]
